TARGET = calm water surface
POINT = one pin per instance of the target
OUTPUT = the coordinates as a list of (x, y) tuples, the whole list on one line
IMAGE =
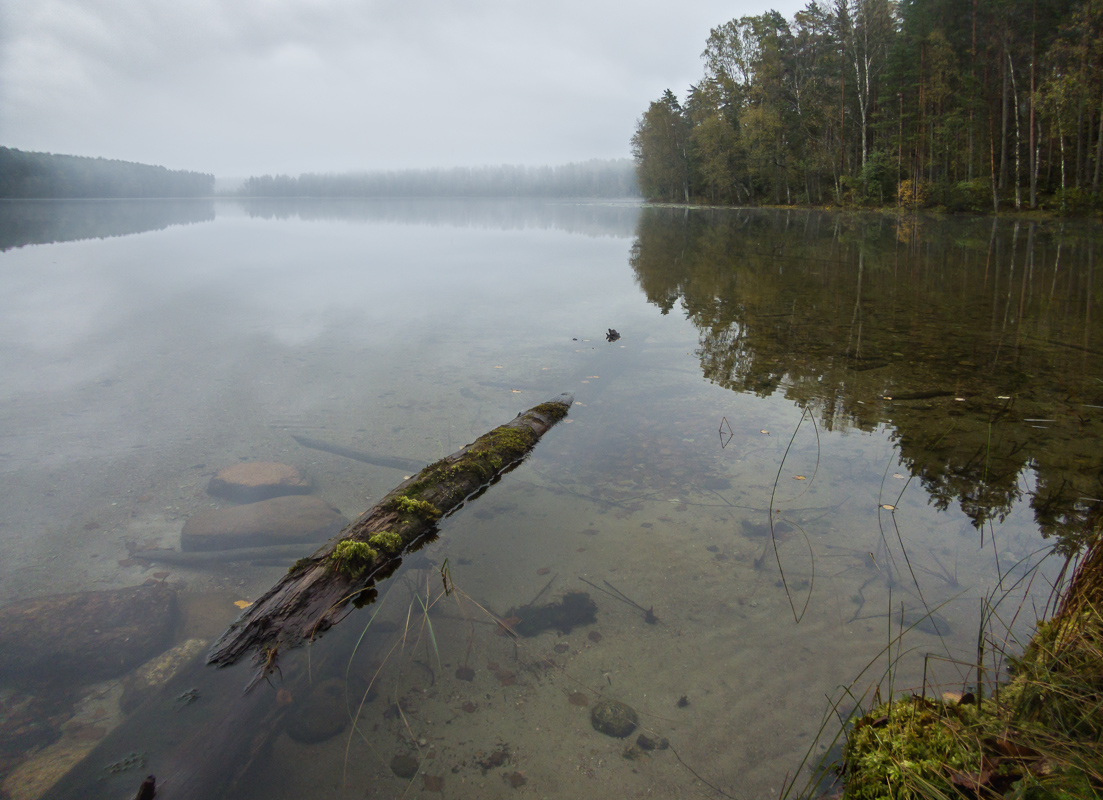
[(810, 420)]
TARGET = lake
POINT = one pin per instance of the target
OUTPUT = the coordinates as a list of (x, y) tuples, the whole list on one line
[(812, 426)]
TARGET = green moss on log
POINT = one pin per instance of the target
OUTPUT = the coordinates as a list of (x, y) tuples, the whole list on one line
[(352, 558), (387, 541)]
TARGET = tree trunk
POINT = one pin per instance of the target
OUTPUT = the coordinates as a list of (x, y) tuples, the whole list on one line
[(311, 597)]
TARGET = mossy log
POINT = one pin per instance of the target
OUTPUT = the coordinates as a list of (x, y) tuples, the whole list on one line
[(316, 590)]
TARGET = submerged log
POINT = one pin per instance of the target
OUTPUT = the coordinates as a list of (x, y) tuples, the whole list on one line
[(316, 590), (375, 459)]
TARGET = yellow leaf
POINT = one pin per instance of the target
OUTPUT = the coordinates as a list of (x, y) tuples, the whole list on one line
[(888, 507), (242, 603), (799, 478)]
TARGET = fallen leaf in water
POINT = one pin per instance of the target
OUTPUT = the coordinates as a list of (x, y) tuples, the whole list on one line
[(886, 397), (242, 603), (578, 699), (506, 625), (498, 366), (765, 431), (432, 783), (888, 507), (799, 478), (898, 476), (592, 376), (515, 391)]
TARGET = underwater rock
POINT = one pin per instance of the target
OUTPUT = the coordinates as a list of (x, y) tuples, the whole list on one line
[(575, 609), (158, 671), (645, 742), (93, 717), (258, 480), (281, 520), (614, 718), (37, 775), (404, 766), (322, 715), (85, 637)]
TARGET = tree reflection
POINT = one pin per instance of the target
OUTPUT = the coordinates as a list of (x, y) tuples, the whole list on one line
[(972, 341)]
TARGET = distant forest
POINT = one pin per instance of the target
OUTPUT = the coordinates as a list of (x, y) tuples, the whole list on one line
[(595, 178), (977, 106), (33, 175)]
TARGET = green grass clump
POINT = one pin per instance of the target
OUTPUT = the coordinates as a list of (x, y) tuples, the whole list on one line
[(353, 558), (387, 541)]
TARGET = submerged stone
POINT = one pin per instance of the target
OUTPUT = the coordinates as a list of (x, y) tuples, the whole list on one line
[(321, 715), (404, 766), (85, 636), (614, 718), (258, 480), (281, 520)]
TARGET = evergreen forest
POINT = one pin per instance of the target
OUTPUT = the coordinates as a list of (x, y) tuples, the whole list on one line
[(595, 178), (965, 106), (27, 174)]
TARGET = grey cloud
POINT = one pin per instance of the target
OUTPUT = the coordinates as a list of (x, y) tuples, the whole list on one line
[(323, 85)]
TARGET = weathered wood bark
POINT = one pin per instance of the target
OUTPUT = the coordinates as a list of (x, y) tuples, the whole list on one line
[(316, 590)]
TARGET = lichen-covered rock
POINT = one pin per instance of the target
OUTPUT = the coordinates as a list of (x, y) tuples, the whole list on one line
[(614, 718), (258, 480), (281, 520), (85, 637)]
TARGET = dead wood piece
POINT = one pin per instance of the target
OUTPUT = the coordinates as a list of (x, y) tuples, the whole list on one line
[(313, 595)]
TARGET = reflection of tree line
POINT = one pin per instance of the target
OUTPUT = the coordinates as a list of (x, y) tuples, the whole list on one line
[(24, 222), (616, 219), (980, 332)]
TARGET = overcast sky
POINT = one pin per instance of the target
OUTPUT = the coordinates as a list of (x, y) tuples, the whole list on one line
[(240, 87)]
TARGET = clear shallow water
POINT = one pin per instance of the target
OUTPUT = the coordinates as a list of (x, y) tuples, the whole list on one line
[(951, 369)]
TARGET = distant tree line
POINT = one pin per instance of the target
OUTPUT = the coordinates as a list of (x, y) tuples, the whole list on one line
[(595, 178), (974, 105), (26, 174)]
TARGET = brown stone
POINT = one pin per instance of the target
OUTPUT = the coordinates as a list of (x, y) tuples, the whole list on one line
[(85, 637), (258, 480), (281, 520)]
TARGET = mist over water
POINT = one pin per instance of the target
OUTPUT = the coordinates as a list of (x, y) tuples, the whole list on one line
[(909, 403)]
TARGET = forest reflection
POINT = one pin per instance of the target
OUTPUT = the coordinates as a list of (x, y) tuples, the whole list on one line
[(973, 341), (25, 222)]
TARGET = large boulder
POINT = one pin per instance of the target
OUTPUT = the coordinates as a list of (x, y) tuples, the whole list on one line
[(85, 637), (258, 480), (281, 520)]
